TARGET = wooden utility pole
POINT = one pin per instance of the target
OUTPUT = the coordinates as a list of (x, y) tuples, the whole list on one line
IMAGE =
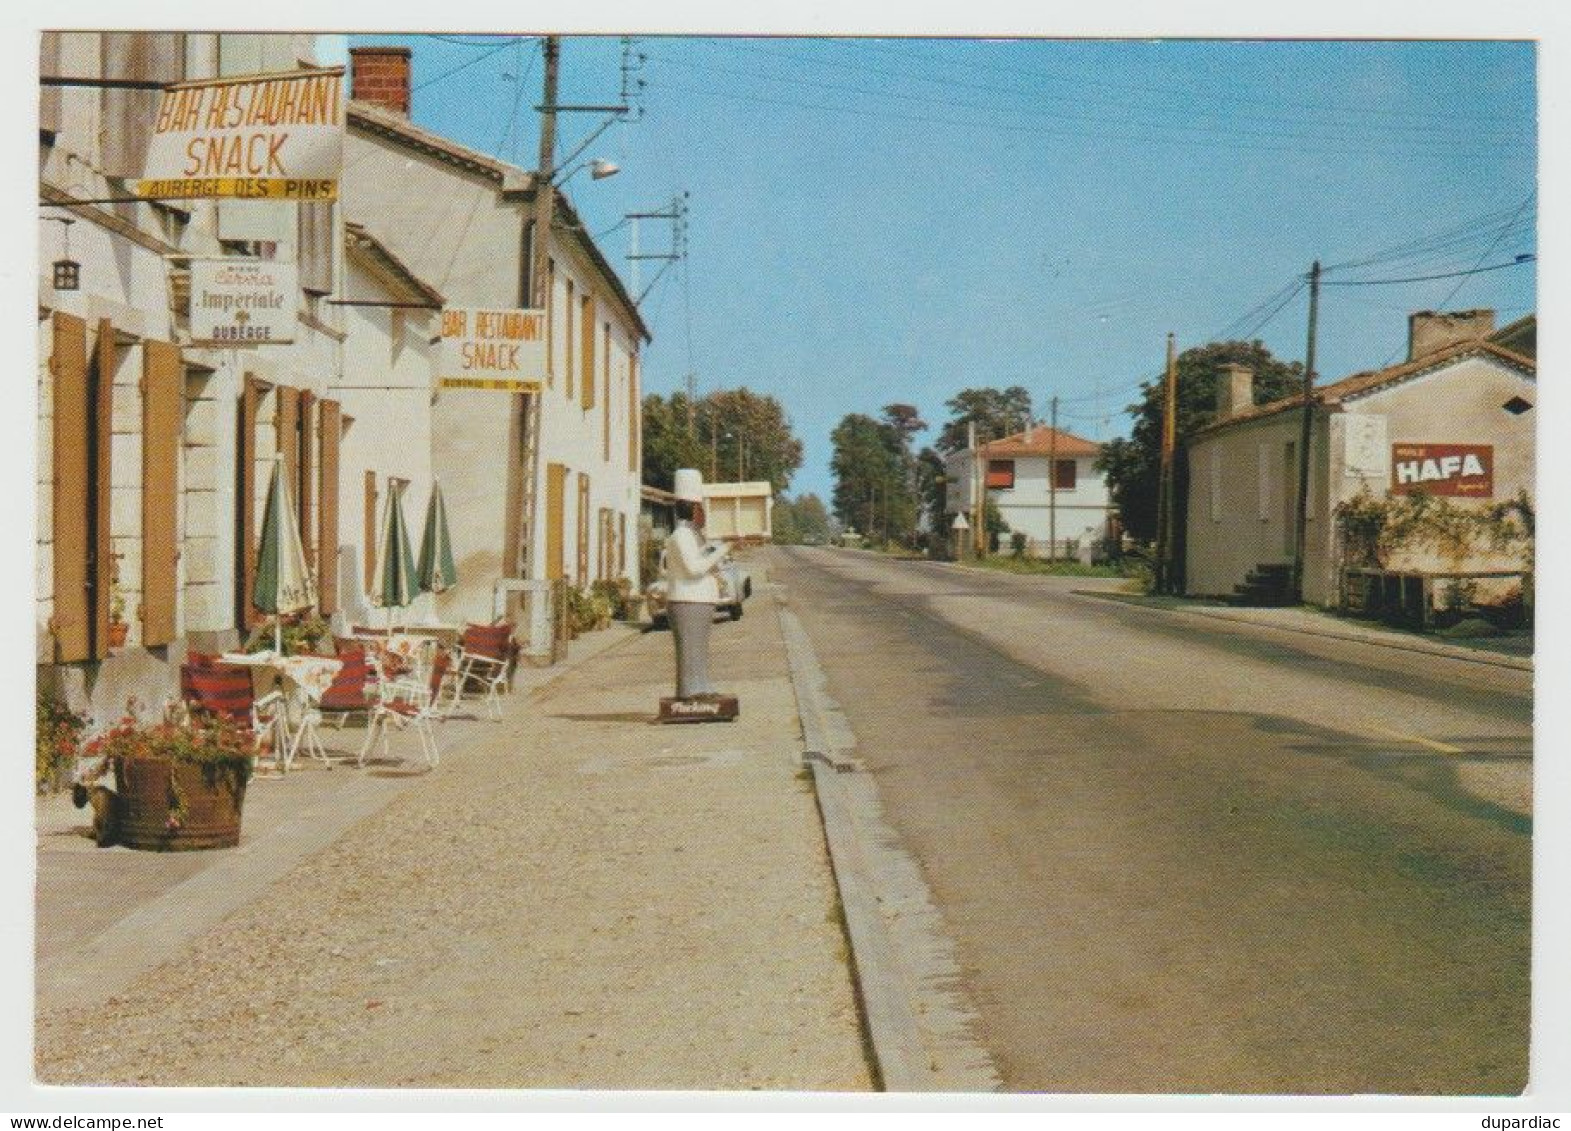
[(1164, 514), (525, 479), (978, 494), (1305, 434), (1052, 483)]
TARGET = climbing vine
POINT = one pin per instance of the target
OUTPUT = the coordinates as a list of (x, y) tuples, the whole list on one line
[(1374, 530)]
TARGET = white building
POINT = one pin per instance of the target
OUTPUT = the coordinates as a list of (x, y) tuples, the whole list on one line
[(461, 221), (1454, 419), (1074, 508), (154, 452)]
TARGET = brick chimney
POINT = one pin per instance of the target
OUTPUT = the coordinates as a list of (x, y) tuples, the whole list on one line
[(380, 76), (1235, 390), (1431, 330)]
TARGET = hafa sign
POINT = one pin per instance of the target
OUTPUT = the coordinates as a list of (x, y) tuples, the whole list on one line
[(500, 350), (260, 137), (1466, 470), (243, 302)]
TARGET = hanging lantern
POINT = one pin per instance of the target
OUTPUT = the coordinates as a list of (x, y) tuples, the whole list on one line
[(68, 272)]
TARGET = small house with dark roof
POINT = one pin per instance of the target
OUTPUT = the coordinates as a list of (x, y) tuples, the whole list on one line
[(1454, 419), (1068, 504)]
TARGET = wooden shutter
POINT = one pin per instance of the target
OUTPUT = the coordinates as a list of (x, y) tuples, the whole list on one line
[(72, 623), (129, 115), (286, 424), (583, 527), (550, 331), (555, 520), (314, 251), (632, 411), (586, 326), (49, 96), (621, 544), (606, 408), (163, 381), (567, 368), (330, 427), (245, 502), (101, 568), (305, 483), (370, 529)]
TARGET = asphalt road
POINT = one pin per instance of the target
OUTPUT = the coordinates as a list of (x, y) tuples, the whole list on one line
[(1185, 856)]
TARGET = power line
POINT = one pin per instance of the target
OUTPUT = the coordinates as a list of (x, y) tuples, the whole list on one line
[(1518, 262), (1440, 132), (464, 66), (1099, 123)]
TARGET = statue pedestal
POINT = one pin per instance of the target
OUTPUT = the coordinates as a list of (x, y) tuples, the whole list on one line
[(721, 710)]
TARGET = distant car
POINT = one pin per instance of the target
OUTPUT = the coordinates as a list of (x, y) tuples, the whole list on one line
[(736, 586)]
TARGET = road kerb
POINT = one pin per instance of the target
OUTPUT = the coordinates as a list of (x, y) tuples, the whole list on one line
[(919, 1024)]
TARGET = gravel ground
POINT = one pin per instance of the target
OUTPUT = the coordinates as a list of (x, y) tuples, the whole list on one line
[(582, 899)]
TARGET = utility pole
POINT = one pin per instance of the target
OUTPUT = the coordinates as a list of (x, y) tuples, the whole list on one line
[(1164, 516), (978, 493), (1306, 432), (1052, 483), (520, 521)]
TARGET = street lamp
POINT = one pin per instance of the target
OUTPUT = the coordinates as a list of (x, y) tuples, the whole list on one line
[(599, 170)]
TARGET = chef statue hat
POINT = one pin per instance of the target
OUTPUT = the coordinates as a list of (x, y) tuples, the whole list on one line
[(689, 485)]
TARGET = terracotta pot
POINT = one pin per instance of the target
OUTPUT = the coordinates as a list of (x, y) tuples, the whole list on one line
[(118, 631), (213, 797)]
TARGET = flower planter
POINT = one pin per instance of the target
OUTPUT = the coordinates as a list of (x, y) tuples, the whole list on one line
[(118, 631), (165, 805)]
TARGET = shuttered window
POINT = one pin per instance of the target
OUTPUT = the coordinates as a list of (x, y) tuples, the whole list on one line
[(286, 421), (314, 245), (330, 429), (305, 482), (370, 529), (163, 389), (1064, 475), (245, 503), (583, 528), (567, 368), (586, 347), (72, 623), (632, 412), (101, 564), (550, 319), (1000, 473), (606, 406), (621, 544), (633, 406), (129, 115), (555, 521), (49, 96)]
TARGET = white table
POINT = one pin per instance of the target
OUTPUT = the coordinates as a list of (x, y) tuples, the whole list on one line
[(302, 681)]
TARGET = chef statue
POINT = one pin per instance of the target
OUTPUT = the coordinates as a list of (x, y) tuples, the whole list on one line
[(692, 593)]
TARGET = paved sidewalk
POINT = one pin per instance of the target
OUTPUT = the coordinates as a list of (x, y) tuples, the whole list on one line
[(574, 898)]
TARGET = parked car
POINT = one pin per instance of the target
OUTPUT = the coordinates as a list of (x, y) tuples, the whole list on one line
[(736, 586)]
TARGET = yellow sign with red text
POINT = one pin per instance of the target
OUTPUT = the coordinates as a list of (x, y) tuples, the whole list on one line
[(500, 350), (261, 137)]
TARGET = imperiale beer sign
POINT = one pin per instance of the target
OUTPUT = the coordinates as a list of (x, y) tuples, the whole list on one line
[(247, 302), (260, 137), (1466, 470), (500, 350)]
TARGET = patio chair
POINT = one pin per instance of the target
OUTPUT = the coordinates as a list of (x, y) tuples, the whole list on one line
[(401, 705), (355, 690), (214, 688), (484, 664)]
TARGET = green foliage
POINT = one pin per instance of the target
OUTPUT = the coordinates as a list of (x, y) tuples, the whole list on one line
[(1013, 563), (588, 610), (996, 412), (874, 490), (57, 741), (617, 594), (802, 521), (1374, 530), (1133, 465), (728, 434), (1017, 544), (993, 519), (302, 636)]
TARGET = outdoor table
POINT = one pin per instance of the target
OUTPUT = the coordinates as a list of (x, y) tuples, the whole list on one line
[(302, 680)]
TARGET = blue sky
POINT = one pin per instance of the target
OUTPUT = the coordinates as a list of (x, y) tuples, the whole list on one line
[(895, 220)]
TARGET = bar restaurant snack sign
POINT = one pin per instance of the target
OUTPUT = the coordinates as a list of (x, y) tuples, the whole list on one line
[(1466, 470), (260, 137), (241, 302), (499, 350)]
